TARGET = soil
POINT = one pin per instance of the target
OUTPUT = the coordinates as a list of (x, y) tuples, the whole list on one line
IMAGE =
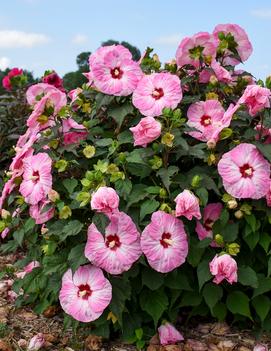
[(19, 325)]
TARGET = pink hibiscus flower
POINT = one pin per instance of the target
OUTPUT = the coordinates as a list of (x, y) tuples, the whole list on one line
[(28, 269), (118, 249), (243, 45), (245, 172), (54, 79), (73, 137), (105, 200), (221, 74), (211, 213), (86, 294), (187, 205), (268, 195), (7, 81), (168, 334), (209, 118), (164, 242), (54, 100), (193, 49), (37, 178), (37, 91), (113, 70), (223, 267), (155, 92), (38, 212), (255, 98), (146, 131)]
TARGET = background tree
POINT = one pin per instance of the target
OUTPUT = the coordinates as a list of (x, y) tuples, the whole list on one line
[(75, 79)]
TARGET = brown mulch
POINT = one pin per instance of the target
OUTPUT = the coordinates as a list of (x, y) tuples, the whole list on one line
[(18, 326)]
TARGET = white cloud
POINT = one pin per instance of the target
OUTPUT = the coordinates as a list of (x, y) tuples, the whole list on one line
[(79, 39), (4, 63), (172, 39), (262, 13), (19, 39)]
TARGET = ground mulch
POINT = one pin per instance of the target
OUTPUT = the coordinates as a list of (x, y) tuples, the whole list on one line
[(19, 325)]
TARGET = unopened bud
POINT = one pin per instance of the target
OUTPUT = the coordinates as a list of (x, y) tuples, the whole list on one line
[(165, 207), (232, 204), (238, 214), (89, 151), (219, 239), (213, 80), (53, 195), (42, 119), (211, 144), (195, 182), (65, 212), (167, 139), (233, 249), (5, 214), (211, 96)]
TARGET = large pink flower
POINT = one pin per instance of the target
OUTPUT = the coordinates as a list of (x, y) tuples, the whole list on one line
[(245, 172), (155, 92), (209, 118), (40, 213), (146, 131), (168, 334), (255, 98), (7, 81), (37, 178), (164, 242), (37, 91), (192, 49), (243, 45), (105, 200), (54, 79), (113, 70), (211, 213), (86, 294), (53, 100), (187, 205), (118, 249), (223, 267), (73, 136)]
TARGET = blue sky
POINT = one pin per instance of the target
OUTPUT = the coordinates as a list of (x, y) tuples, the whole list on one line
[(48, 34)]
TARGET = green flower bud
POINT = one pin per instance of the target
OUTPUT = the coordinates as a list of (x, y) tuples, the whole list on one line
[(232, 204), (238, 214), (195, 182), (156, 162), (89, 151), (233, 249), (167, 139), (167, 112), (163, 193), (112, 168), (268, 82), (83, 197), (42, 119), (165, 207), (101, 166), (5, 214), (86, 182), (219, 239), (246, 208), (122, 157), (61, 165), (2, 226), (65, 212), (116, 176)]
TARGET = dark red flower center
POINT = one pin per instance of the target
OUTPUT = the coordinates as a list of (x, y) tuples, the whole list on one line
[(205, 120), (166, 240), (113, 242), (246, 170), (116, 73), (35, 176), (84, 291), (157, 93), (208, 224)]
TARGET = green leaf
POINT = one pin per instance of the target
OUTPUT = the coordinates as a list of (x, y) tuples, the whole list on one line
[(77, 257), (230, 232), (29, 225), (262, 306), (190, 298), (265, 149), (101, 221), (166, 174), (195, 252), (238, 302), (119, 113), (70, 185), (264, 286), (152, 279), (212, 294), (177, 280), (148, 206), (18, 235), (123, 187), (139, 333), (203, 195), (252, 240), (155, 303), (247, 276), (72, 228), (203, 272), (121, 291), (104, 142), (269, 267), (219, 311), (265, 240), (137, 194)]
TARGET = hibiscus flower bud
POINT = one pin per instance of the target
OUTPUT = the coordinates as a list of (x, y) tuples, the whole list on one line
[(211, 144), (166, 208), (195, 183), (213, 80), (211, 96), (238, 214), (167, 139), (2, 226), (5, 214), (233, 249), (42, 119), (36, 342), (156, 162), (219, 239), (211, 160), (65, 212), (163, 193), (53, 195), (44, 229), (232, 204), (89, 151), (61, 165), (83, 197)]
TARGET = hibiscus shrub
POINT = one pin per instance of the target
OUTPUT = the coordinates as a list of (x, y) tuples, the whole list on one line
[(146, 194)]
